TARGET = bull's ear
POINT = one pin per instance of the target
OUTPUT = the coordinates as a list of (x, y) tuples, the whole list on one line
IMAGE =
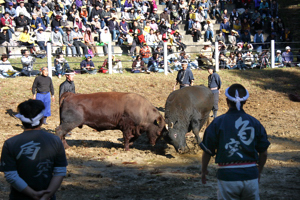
[(158, 121)]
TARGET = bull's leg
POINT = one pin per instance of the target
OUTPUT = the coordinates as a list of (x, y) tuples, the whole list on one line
[(136, 133), (196, 127), (127, 135), (63, 129), (128, 128)]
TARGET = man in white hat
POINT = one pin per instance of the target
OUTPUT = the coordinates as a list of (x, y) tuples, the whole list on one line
[(185, 76), (232, 39), (96, 25), (154, 15), (68, 85), (196, 31), (240, 143), (206, 54), (278, 59), (287, 57), (42, 39), (209, 34)]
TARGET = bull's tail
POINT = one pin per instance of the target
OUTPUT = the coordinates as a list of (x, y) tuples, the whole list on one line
[(207, 122), (61, 102)]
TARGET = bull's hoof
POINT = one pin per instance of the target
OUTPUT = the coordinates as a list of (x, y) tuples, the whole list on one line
[(126, 147), (66, 146)]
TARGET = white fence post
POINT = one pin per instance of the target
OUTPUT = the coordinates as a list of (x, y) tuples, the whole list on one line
[(272, 54), (217, 56), (109, 57), (49, 57), (165, 58)]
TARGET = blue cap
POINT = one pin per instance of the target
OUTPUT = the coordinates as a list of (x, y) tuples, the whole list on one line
[(88, 55), (10, 4), (166, 9), (56, 28)]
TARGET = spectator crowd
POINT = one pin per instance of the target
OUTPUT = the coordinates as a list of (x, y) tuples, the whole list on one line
[(78, 27)]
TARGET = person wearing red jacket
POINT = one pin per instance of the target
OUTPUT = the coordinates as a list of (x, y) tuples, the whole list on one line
[(145, 52), (7, 22)]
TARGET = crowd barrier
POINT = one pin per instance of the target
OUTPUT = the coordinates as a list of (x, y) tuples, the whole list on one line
[(272, 47)]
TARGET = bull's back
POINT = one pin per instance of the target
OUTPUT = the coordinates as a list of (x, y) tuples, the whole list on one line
[(195, 97), (109, 106)]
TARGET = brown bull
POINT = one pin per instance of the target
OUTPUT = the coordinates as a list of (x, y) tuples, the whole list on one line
[(128, 112)]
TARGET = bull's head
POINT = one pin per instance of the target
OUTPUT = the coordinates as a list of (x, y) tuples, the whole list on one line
[(175, 135)]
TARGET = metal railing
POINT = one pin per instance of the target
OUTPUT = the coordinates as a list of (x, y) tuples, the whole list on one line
[(272, 50)]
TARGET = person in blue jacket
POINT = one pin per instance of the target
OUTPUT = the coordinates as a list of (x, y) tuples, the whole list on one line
[(87, 65), (37, 22), (240, 144)]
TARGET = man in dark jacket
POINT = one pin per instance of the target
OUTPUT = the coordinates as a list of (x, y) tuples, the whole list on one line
[(214, 84), (114, 29), (154, 15), (185, 76), (165, 15), (21, 21), (68, 85), (239, 143), (95, 12)]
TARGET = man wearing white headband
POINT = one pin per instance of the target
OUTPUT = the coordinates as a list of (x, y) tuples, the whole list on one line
[(240, 144), (34, 162), (68, 85)]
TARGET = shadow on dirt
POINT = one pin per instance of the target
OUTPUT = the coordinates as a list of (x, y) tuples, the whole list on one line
[(11, 113), (141, 144), (279, 80), (106, 180)]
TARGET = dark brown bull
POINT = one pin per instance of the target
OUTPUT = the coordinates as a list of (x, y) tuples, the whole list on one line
[(128, 112), (187, 110)]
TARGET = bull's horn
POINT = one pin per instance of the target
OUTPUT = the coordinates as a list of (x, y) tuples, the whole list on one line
[(172, 124), (167, 127)]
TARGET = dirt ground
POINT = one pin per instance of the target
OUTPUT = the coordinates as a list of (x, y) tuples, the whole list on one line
[(99, 168)]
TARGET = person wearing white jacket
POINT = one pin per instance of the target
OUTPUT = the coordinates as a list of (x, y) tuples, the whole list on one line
[(105, 37), (6, 70), (21, 9), (150, 39), (42, 39)]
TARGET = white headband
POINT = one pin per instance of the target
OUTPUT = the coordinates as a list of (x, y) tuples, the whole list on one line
[(237, 99), (71, 73), (34, 122)]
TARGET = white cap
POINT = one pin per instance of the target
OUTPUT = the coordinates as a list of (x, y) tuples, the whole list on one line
[(288, 47), (278, 51)]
